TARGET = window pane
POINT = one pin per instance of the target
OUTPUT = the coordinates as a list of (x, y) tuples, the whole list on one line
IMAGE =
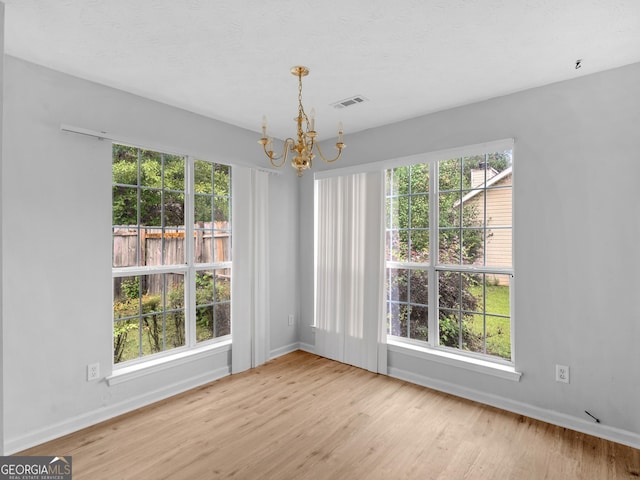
[(397, 319), (397, 283), (173, 172), (419, 246), (398, 212), (474, 312), (173, 247), (125, 247), (222, 180), (449, 290), (151, 246), (204, 323), (203, 209), (175, 329), (123, 333), (222, 285), (174, 209), (125, 206), (497, 291), (498, 336), (407, 299), (222, 245), (221, 209), (213, 303), (125, 165), (154, 306), (151, 169), (473, 247), (449, 209), (419, 322), (420, 211), (449, 329), (203, 177), (203, 245), (418, 287), (420, 178), (397, 246), (126, 297), (204, 287), (222, 325), (449, 247), (499, 245), (499, 207), (473, 208), (150, 207), (449, 174)]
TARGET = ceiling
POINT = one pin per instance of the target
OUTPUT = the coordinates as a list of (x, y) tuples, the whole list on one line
[(230, 59)]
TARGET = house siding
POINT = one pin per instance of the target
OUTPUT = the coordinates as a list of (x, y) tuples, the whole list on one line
[(499, 213)]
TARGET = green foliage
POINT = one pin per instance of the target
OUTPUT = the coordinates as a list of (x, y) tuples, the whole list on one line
[(213, 294), (498, 328), (130, 288), (455, 292), (140, 172), (161, 328)]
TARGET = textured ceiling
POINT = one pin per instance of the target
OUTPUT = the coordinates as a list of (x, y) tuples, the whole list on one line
[(230, 59)]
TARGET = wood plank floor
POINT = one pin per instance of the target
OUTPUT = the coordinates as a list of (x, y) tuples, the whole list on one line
[(305, 417)]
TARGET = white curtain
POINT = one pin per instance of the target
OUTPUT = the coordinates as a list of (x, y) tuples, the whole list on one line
[(349, 316), (260, 260), (250, 286)]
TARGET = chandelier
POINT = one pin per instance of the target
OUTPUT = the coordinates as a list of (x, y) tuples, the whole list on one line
[(305, 143)]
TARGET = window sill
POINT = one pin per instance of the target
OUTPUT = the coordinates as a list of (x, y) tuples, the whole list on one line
[(507, 372), (139, 370)]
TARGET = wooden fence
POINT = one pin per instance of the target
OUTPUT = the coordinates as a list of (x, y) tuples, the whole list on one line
[(212, 243)]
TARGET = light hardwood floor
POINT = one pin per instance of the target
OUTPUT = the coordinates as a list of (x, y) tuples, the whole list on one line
[(305, 417)]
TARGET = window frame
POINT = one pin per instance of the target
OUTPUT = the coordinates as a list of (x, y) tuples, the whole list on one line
[(433, 267), (188, 269)]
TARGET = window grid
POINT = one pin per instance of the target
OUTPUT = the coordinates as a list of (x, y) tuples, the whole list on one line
[(477, 275), (176, 325)]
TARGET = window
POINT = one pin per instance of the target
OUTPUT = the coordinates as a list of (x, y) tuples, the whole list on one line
[(449, 253), (168, 293)]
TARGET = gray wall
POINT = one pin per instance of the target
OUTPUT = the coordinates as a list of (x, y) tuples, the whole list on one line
[(576, 256), (57, 308)]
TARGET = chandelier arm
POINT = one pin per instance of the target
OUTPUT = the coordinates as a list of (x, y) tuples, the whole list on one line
[(339, 146), (273, 158)]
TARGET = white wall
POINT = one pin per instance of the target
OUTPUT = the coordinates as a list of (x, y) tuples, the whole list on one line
[(56, 215), (576, 256)]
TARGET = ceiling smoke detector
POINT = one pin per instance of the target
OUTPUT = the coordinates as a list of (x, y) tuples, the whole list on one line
[(348, 102)]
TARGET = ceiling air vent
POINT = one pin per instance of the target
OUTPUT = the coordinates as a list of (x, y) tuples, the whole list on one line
[(347, 102)]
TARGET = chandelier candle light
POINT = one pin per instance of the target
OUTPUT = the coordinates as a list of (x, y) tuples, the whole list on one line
[(306, 139)]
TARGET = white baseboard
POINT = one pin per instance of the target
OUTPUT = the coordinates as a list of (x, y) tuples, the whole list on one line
[(306, 347), (617, 435), (79, 422), (278, 352)]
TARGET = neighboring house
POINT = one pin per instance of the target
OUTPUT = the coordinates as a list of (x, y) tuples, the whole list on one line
[(499, 207)]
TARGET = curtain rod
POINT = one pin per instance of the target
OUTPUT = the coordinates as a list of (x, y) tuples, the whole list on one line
[(102, 135)]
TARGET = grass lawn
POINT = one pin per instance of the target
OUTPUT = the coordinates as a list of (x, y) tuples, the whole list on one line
[(498, 328)]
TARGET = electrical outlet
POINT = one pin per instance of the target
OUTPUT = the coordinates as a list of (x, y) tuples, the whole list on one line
[(290, 319), (93, 371), (562, 373)]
